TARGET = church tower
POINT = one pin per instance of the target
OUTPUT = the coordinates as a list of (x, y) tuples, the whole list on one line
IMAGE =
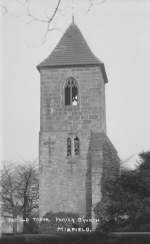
[(75, 154)]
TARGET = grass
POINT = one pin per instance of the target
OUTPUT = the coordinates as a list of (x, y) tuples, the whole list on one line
[(76, 238)]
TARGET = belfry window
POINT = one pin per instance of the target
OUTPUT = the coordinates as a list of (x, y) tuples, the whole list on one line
[(73, 146), (76, 146), (71, 92), (68, 146)]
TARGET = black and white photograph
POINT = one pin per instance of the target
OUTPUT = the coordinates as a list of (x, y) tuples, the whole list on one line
[(75, 121)]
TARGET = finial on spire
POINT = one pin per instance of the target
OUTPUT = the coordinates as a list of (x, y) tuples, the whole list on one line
[(73, 19), (73, 12)]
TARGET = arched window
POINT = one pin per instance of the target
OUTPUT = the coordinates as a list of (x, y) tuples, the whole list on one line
[(68, 146), (71, 92), (76, 146)]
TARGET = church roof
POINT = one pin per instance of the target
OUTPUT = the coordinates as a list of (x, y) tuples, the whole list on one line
[(72, 49), (97, 141)]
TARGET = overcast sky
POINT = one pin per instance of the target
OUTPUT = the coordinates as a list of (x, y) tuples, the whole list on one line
[(118, 33)]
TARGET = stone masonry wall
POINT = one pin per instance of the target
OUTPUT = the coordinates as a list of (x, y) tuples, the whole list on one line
[(63, 179), (91, 110), (111, 165), (104, 166)]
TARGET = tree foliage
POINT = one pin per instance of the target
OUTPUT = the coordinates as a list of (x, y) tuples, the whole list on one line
[(126, 202)]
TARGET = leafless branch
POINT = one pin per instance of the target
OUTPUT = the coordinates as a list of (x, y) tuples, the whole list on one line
[(47, 31), (61, 12), (49, 17), (34, 18), (55, 11), (48, 20), (92, 3), (23, 3), (127, 159), (3, 8)]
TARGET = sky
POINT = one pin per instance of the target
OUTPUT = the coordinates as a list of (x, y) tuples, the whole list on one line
[(118, 33)]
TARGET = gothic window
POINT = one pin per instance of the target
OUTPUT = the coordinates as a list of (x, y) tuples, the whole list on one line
[(76, 146), (68, 146), (71, 92)]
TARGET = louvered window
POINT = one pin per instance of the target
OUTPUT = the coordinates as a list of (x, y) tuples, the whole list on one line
[(71, 92)]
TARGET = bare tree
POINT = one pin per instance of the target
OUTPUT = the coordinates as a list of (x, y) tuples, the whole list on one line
[(9, 194), (28, 192), (49, 18), (19, 191)]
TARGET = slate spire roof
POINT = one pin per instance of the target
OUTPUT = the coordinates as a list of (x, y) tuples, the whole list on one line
[(72, 50)]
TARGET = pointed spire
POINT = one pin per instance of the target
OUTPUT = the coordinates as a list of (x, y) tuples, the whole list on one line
[(72, 50)]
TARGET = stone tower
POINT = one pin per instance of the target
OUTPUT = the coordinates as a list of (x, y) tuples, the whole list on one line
[(75, 153)]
